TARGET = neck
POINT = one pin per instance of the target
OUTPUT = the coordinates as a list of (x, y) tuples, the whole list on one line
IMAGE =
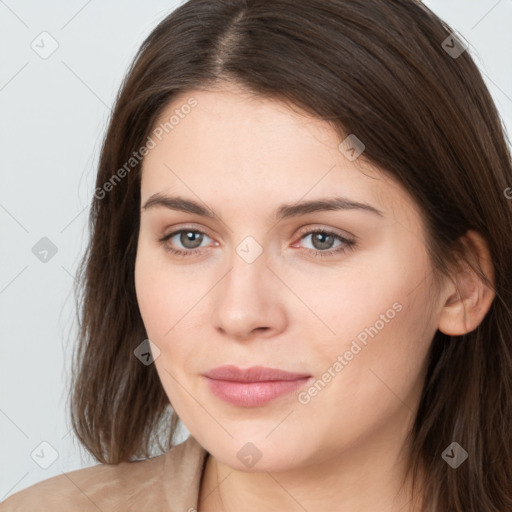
[(364, 479)]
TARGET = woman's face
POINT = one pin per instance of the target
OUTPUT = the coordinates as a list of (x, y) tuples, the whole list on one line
[(258, 284)]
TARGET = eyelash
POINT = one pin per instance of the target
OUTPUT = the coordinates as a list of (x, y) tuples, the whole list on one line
[(348, 244)]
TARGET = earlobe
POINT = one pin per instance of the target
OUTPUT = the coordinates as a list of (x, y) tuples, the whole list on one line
[(470, 298)]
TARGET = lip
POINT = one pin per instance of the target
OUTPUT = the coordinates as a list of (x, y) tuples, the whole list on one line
[(252, 374), (253, 386)]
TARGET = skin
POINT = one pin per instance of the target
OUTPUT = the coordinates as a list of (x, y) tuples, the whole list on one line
[(243, 156)]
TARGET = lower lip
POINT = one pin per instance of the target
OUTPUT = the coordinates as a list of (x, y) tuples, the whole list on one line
[(253, 394)]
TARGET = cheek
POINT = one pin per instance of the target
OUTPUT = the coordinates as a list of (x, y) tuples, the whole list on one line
[(345, 304), (168, 303), (153, 297), (378, 320)]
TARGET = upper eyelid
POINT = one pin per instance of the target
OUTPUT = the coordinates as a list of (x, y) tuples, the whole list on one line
[(305, 231), (309, 227), (315, 228)]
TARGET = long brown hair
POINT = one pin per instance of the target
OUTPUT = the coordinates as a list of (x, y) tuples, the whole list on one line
[(379, 69)]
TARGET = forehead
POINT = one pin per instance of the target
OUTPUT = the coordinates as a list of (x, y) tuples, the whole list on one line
[(235, 147)]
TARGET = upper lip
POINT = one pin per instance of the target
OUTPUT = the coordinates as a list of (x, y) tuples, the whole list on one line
[(252, 374)]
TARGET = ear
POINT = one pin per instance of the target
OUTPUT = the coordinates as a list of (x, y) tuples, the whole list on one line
[(468, 298)]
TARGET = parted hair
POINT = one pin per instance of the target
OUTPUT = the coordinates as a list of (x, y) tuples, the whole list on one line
[(386, 71)]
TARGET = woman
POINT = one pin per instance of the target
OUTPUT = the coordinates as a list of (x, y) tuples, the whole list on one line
[(300, 242)]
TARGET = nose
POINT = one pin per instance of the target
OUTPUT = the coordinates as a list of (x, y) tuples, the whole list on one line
[(250, 300)]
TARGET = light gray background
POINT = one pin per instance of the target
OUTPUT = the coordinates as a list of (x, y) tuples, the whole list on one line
[(53, 116)]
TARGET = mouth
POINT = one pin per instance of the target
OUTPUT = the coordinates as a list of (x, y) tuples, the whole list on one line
[(253, 386)]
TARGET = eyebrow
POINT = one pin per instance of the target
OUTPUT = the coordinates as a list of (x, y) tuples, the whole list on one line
[(285, 211)]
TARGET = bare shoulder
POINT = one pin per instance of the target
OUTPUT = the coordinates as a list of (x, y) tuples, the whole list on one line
[(102, 487)]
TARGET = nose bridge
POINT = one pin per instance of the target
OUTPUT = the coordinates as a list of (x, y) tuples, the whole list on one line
[(250, 250), (248, 276), (246, 299)]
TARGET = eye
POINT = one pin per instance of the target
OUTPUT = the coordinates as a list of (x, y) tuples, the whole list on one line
[(322, 241), (191, 239)]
